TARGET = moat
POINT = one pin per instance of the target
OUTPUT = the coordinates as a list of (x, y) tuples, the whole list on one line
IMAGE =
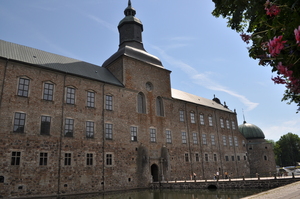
[(178, 194)]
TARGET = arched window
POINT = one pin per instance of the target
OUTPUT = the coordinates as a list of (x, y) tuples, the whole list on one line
[(159, 107), (141, 103)]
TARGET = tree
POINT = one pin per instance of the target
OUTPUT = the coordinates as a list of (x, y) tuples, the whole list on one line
[(272, 29), (287, 150)]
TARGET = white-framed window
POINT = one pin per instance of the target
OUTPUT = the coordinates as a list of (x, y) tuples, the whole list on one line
[(108, 131), (224, 140), (15, 158), (90, 100), (168, 136), (43, 159), (181, 115), (141, 105), (109, 102), (227, 124), (215, 157), (210, 120), (183, 137), (230, 140), (235, 141), (89, 159), (70, 95), (197, 157), (186, 157), (19, 122), (45, 125), (152, 135), (109, 159), (233, 125), (212, 137), (159, 107), (201, 119), (133, 133), (195, 138), (204, 140), (226, 158), (69, 127), (222, 122), (89, 129), (48, 91), (68, 159), (206, 157), (192, 114), (23, 87)]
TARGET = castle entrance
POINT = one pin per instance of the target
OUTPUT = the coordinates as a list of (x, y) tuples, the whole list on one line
[(154, 172)]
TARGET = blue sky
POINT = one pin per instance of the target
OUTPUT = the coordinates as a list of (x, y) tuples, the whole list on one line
[(205, 56)]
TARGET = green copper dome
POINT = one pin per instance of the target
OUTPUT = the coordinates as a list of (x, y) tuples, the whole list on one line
[(250, 131)]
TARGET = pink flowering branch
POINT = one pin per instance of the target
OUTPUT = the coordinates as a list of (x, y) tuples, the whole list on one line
[(276, 45)]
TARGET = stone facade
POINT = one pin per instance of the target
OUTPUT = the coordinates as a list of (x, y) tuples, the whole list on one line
[(66, 133)]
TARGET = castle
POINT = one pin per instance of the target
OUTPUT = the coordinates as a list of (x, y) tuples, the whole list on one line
[(71, 127)]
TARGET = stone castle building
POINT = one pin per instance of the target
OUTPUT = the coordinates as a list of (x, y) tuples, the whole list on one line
[(71, 127)]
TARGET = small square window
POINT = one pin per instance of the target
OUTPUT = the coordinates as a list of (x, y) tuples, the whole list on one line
[(108, 131), (133, 133), (43, 158), (48, 91), (90, 99), (15, 158), (68, 159), (19, 122), (109, 102), (153, 135), (168, 136), (70, 95), (181, 116), (89, 159), (89, 129), (23, 88), (45, 125), (183, 136), (69, 127), (109, 159)]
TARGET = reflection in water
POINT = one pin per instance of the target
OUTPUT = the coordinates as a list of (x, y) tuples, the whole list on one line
[(177, 194)]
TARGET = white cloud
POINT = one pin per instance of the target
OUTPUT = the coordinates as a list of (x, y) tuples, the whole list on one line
[(204, 79), (281, 128), (102, 22)]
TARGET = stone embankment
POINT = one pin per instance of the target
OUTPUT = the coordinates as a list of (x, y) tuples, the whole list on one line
[(238, 183)]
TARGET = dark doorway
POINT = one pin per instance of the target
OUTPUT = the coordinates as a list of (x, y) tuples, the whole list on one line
[(154, 172)]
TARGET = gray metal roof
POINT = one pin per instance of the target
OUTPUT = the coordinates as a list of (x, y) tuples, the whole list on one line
[(180, 95), (59, 63)]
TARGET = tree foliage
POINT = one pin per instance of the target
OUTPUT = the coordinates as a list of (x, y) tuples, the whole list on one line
[(287, 150), (272, 29)]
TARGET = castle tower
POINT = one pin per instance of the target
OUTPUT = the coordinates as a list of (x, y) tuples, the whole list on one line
[(132, 65)]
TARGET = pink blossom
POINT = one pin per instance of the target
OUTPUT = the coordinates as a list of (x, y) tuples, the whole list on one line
[(273, 10), (275, 46), (284, 70), (279, 80), (297, 35), (245, 37)]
